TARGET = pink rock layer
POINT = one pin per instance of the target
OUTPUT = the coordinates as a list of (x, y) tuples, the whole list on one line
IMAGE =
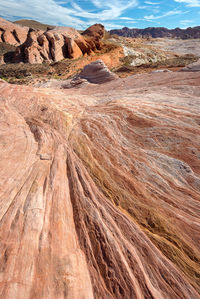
[(100, 189)]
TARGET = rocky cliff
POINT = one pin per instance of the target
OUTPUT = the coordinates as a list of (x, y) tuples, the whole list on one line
[(58, 43), (159, 32), (99, 189)]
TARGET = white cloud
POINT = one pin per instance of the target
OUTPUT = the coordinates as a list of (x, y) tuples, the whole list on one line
[(126, 18), (186, 22), (167, 14), (53, 12), (110, 26), (46, 11), (150, 8), (191, 3), (151, 3)]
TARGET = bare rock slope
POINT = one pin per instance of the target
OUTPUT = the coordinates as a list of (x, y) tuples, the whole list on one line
[(100, 189)]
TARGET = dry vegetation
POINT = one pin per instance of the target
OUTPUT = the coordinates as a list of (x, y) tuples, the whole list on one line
[(171, 64), (25, 73)]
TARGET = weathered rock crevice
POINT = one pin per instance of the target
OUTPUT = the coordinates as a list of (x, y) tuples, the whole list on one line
[(14, 33)]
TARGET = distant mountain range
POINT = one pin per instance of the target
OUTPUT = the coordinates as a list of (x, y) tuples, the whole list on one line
[(158, 32)]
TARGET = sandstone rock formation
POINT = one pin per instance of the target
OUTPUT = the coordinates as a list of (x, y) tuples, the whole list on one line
[(57, 44), (12, 34), (96, 31), (94, 35), (95, 72), (99, 189)]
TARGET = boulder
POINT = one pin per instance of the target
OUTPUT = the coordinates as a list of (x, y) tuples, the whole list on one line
[(97, 73)]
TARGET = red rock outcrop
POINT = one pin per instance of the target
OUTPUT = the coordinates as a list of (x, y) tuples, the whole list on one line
[(56, 44), (94, 35), (12, 34), (100, 189)]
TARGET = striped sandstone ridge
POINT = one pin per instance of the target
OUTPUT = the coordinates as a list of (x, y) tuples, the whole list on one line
[(100, 189)]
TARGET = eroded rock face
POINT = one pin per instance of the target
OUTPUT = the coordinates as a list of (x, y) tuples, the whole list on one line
[(99, 189), (12, 34), (55, 45), (30, 51), (37, 46)]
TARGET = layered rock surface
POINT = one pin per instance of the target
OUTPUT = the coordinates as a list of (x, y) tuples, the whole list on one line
[(100, 189), (96, 72)]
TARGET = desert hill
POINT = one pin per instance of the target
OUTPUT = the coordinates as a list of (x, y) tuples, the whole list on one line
[(33, 24)]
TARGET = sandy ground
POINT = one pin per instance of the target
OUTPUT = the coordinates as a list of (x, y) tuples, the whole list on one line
[(190, 46)]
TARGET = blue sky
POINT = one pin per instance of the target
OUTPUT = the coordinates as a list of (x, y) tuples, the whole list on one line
[(111, 13)]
